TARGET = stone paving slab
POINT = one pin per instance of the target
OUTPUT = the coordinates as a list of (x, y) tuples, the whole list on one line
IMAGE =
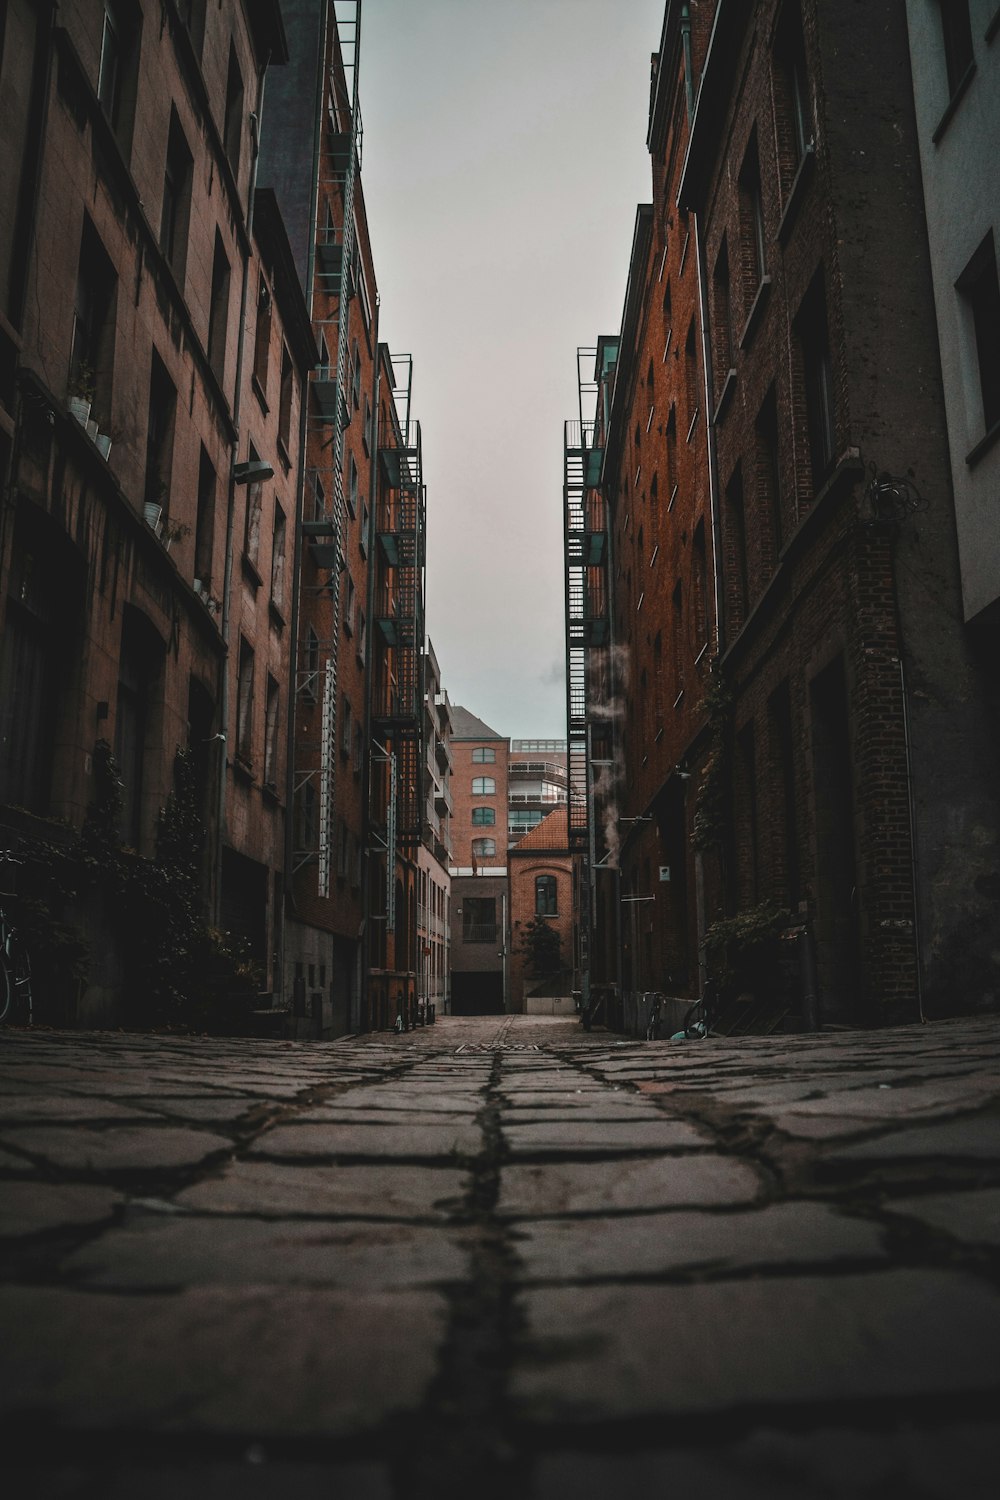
[(784, 1234), (940, 1462), (153, 1253), (593, 1137), (118, 1149), (617, 1351), (217, 1359), (420, 1141), (570, 1187), (33, 1207), (972, 1217), (369, 1191), (257, 1477)]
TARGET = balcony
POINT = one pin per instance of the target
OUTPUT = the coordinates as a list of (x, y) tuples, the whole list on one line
[(539, 770), (481, 932)]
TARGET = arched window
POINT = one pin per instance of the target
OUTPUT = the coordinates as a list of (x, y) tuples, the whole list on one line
[(483, 817), (545, 896), (483, 848), (483, 786), (484, 756)]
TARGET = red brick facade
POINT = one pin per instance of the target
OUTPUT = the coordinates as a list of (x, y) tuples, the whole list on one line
[(541, 880)]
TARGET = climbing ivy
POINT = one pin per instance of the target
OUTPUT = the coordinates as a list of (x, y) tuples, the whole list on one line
[(711, 798)]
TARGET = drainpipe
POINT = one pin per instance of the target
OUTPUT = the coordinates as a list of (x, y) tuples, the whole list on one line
[(713, 456), (686, 44), (227, 585), (369, 678)]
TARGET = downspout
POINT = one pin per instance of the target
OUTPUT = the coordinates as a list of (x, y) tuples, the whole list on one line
[(713, 456), (38, 114), (227, 585), (686, 44), (369, 677), (297, 546)]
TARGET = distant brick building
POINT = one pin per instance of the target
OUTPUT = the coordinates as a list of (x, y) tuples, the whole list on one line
[(541, 885), (479, 896), (435, 853)]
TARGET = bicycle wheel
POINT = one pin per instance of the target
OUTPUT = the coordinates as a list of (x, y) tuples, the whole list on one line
[(15, 983)]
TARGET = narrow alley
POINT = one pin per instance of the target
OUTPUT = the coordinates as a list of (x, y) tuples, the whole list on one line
[(502, 1257)]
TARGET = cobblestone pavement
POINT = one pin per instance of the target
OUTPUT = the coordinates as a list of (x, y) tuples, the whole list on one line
[(501, 1257)]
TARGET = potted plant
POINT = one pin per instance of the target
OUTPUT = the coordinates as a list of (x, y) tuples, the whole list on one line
[(80, 392), (173, 531), (152, 509)]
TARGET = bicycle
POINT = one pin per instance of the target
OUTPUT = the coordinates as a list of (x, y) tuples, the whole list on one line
[(700, 1017), (654, 1018), (15, 968)]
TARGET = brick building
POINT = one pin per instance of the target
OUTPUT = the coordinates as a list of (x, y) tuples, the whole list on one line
[(434, 854), (132, 238), (541, 885), (357, 778), (536, 784), (792, 713), (479, 894)]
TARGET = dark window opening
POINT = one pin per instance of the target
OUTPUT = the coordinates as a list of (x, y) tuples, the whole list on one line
[(204, 535), (159, 435), (980, 289), (93, 336), (545, 896), (232, 125), (176, 207), (218, 311), (956, 34)]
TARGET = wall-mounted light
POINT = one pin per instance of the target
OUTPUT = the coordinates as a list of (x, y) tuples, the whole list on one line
[(252, 472)]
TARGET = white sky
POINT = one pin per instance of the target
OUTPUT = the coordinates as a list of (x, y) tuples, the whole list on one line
[(504, 155)]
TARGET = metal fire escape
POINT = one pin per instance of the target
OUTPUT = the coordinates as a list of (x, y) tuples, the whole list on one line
[(587, 627), (398, 688), (329, 413)]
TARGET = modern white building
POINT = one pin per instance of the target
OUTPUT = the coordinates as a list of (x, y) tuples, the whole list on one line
[(955, 58)]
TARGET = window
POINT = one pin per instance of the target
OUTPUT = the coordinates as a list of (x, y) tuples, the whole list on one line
[(545, 895), (345, 727), (139, 666), (723, 319), (367, 429), (483, 786), (980, 291), (734, 538), (342, 860), (484, 848), (255, 502), (218, 313), (159, 434), (285, 402), (483, 817), (691, 377), (350, 603), (204, 534), (92, 338), (818, 376), (700, 582), (176, 199), (352, 485), (271, 707), (361, 643), (792, 109), (244, 703), (752, 228), (262, 334), (310, 679), (956, 34), (359, 750), (192, 14), (768, 471), (278, 558), (356, 375), (479, 919), (484, 757), (116, 78), (520, 819), (232, 125)]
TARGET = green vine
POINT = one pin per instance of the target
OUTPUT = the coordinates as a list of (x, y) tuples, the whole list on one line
[(735, 946)]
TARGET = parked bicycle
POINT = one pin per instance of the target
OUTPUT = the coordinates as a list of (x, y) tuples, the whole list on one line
[(701, 1016), (655, 1018), (15, 967)]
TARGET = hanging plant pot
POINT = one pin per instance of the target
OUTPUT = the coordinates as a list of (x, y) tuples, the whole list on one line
[(79, 407)]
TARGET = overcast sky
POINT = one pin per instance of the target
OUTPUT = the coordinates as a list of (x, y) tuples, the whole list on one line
[(504, 156)]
